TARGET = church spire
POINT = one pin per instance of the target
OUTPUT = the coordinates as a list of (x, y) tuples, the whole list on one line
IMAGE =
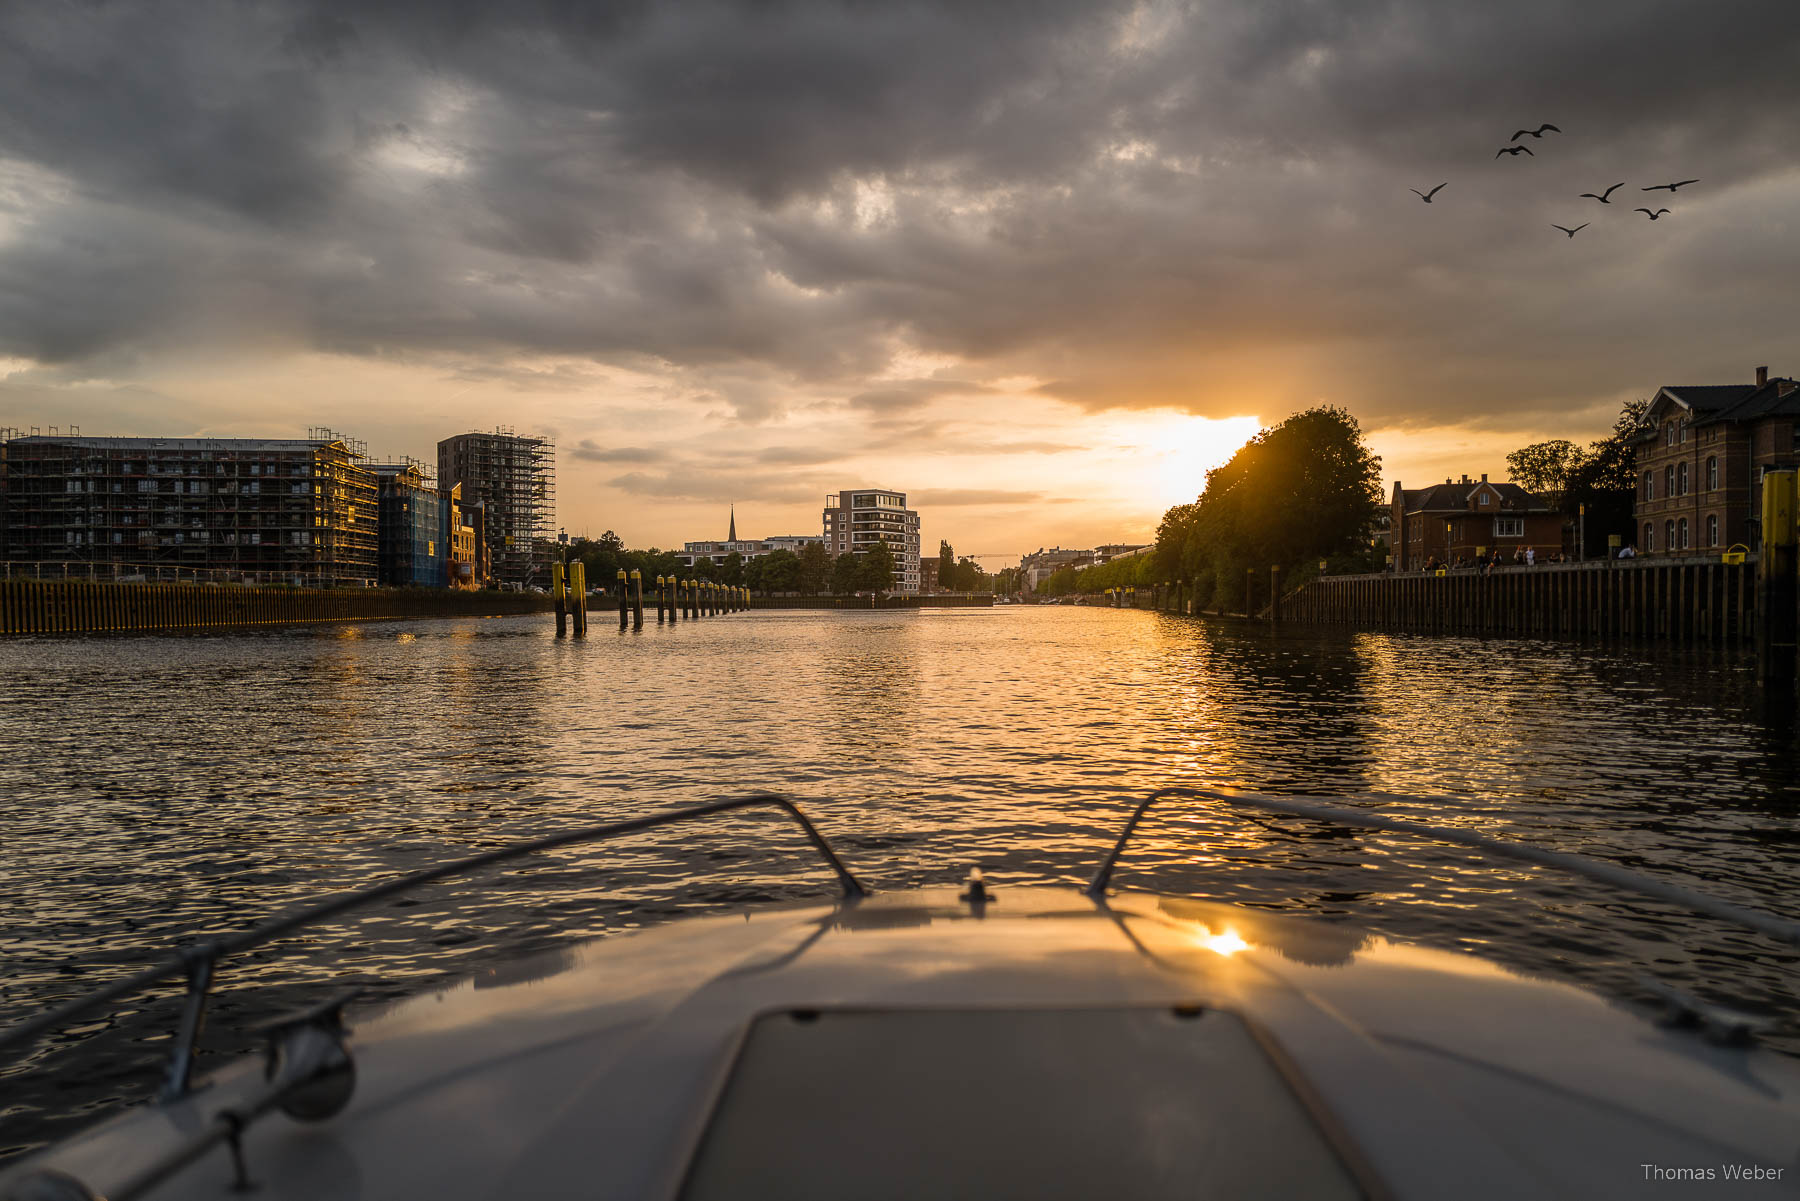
[(732, 537)]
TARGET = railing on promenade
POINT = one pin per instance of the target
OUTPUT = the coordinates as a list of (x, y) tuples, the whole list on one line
[(84, 607), (110, 572), (1699, 600)]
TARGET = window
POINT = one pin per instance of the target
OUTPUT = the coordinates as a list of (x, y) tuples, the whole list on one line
[(1484, 499), (1712, 529), (1669, 480), (1649, 536), (1509, 527), (1684, 533), (1681, 431), (1669, 434), (1681, 480), (1712, 473), (1669, 535), (1649, 485)]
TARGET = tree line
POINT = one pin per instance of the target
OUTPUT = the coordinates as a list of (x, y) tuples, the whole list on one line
[(1306, 490), (810, 572)]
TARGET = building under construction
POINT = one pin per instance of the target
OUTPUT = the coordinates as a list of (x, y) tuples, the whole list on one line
[(513, 480), (299, 511)]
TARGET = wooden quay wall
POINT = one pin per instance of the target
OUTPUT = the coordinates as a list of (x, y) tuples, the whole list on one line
[(1698, 600)]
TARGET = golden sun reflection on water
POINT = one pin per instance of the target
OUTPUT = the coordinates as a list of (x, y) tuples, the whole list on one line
[(1226, 942)]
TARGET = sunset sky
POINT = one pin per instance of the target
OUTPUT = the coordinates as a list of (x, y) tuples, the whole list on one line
[(1038, 264)]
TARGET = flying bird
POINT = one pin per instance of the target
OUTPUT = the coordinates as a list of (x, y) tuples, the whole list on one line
[(1670, 186), (1649, 214), (1576, 230), (1426, 196), (1515, 151), (1536, 133), (1602, 197)]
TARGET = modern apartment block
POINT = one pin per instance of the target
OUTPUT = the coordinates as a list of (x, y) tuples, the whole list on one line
[(513, 480), (856, 519), (412, 549), (300, 511)]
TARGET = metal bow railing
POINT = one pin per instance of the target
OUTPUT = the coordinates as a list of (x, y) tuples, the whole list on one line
[(198, 962)]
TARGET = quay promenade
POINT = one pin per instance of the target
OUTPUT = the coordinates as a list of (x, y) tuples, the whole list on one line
[(85, 607)]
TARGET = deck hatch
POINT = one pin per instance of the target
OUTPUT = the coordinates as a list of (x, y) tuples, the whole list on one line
[(1117, 1103)]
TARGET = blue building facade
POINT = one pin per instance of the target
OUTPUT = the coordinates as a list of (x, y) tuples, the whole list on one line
[(413, 548)]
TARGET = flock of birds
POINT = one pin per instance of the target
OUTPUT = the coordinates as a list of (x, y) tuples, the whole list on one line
[(1603, 197)]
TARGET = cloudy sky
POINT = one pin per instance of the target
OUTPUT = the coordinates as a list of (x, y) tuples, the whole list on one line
[(1038, 264)]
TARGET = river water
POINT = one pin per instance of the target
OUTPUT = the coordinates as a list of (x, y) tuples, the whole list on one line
[(157, 789)]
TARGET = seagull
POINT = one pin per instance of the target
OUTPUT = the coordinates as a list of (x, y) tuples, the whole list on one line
[(1576, 230), (1649, 214), (1670, 186), (1515, 151), (1602, 197), (1426, 196), (1536, 133)]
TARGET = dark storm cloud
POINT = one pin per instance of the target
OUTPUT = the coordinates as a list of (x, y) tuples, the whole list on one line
[(1201, 205)]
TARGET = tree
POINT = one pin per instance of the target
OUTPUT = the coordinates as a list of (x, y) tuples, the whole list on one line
[(1305, 490), (946, 567), (814, 572), (1546, 468), (1606, 482), (777, 571), (875, 573), (731, 571), (845, 574)]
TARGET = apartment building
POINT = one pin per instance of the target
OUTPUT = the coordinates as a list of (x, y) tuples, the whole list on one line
[(513, 480), (855, 519), (302, 511)]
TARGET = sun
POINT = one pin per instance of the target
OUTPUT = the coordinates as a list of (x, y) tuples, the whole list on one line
[(1181, 449)]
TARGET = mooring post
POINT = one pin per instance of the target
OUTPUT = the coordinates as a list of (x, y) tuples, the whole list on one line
[(624, 598), (637, 599), (1249, 592), (1776, 592), (558, 599), (1275, 594), (578, 596), (659, 600)]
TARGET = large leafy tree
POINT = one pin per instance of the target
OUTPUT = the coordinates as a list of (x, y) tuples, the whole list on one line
[(845, 574), (1304, 490), (1546, 468), (814, 573), (875, 571), (946, 567)]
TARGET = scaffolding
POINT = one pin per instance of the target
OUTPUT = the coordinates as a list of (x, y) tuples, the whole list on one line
[(513, 479), (295, 511)]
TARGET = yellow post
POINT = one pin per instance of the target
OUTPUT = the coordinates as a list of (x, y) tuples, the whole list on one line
[(1775, 569), (578, 594), (637, 599), (559, 598)]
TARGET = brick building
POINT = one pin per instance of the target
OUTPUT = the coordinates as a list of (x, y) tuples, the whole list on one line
[(1456, 521), (1701, 459)]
